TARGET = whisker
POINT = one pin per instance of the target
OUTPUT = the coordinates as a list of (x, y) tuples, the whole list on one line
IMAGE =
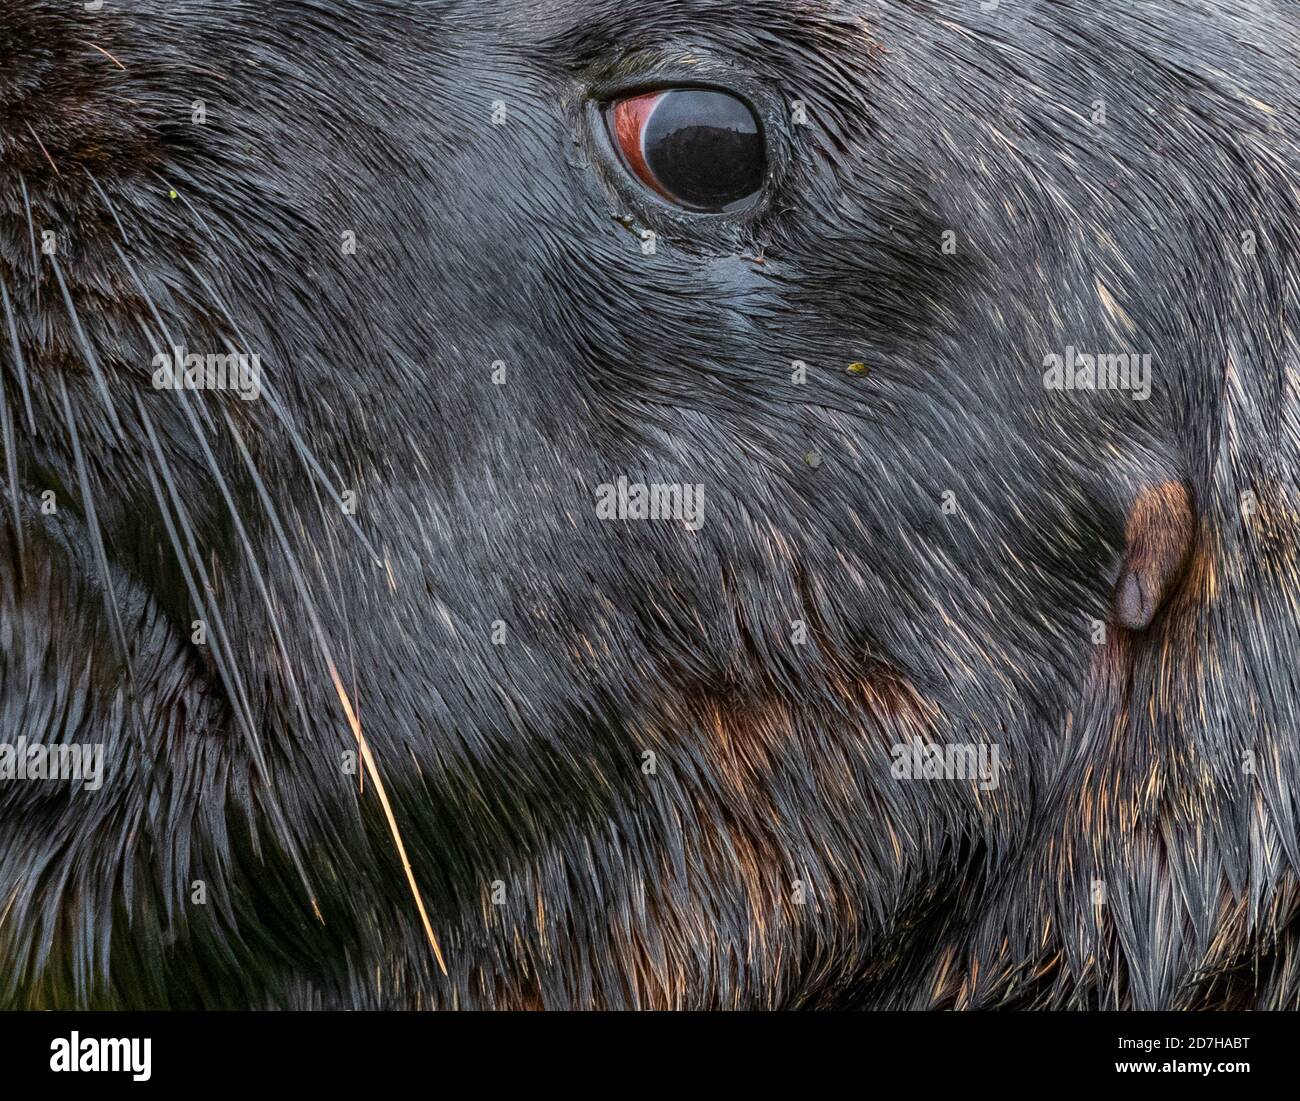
[(31, 236), (87, 351), (44, 150), (108, 203), (300, 446), (343, 611), (309, 458), (299, 581), (322, 643), (245, 543), (101, 555), (11, 467), (222, 652), (20, 364), (157, 317), (226, 495), (106, 54)]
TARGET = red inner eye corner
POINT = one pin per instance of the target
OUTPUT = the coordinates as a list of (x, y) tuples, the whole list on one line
[(630, 118)]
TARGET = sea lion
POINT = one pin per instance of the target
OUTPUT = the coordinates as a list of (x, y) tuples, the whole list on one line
[(964, 332)]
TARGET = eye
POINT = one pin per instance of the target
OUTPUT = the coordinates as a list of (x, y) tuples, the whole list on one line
[(697, 148)]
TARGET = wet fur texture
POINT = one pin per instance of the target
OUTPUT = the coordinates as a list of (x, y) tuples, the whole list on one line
[(1142, 846)]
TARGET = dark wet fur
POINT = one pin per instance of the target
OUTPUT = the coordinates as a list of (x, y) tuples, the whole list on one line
[(1127, 858)]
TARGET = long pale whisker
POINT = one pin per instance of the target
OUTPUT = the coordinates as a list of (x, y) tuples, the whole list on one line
[(323, 644), (234, 684)]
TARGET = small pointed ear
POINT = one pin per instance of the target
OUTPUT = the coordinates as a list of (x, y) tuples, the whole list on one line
[(1158, 541)]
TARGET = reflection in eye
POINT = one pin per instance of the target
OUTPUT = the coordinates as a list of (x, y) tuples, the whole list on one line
[(698, 148)]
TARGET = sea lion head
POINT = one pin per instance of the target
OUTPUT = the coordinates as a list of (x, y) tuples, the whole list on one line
[(597, 505)]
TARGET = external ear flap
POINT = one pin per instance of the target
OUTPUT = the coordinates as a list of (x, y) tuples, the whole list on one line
[(1158, 540)]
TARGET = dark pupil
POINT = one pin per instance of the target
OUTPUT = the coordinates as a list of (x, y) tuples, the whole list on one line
[(704, 147)]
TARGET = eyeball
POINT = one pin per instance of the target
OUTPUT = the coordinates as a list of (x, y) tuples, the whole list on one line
[(698, 148)]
